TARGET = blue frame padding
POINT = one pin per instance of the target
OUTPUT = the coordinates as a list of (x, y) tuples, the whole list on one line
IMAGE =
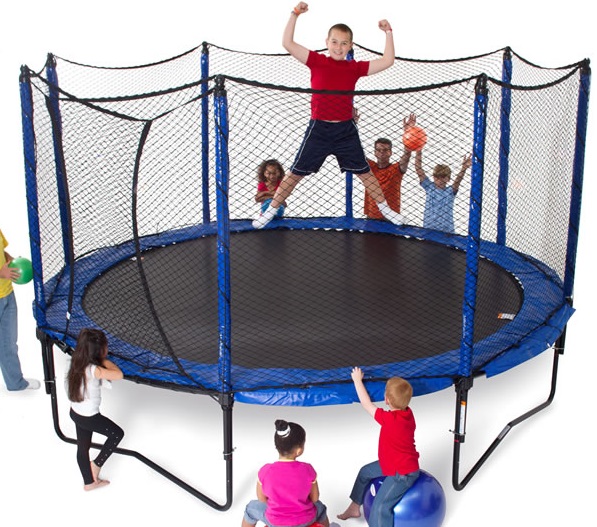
[(540, 321)]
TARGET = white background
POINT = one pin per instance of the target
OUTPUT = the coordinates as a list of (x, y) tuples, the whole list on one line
[(543, 472)]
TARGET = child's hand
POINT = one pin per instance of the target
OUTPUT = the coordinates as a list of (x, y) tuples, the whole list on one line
[(467, 161), (301, 8), (9, 273), (384, 25), (409, 122), (357, 374)]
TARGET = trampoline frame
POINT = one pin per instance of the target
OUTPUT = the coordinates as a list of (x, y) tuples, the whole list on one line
[(463, 382)]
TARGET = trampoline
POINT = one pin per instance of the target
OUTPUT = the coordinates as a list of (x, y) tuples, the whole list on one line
[(321, 335), (140, 218)]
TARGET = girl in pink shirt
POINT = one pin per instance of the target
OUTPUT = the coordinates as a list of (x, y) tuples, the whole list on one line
[(287, 490)]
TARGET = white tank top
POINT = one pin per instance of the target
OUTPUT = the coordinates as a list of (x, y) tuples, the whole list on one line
[(92, 397)]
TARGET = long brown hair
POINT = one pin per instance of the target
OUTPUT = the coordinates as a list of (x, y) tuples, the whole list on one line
[(91, 348)]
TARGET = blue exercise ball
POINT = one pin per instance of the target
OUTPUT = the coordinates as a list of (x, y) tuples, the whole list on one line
[(423, 505)]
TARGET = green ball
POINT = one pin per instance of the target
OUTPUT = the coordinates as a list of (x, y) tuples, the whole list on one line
[(25, 268)]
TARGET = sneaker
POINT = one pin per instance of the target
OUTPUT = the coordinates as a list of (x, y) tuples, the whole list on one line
[(33, 384), (264, 218), (391, 215)]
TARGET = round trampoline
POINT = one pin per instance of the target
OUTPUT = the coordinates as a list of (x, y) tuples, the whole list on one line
[(308, 304), (141, 190)]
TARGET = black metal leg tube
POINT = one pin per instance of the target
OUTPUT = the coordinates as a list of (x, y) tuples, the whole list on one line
[(226, 401), (459, 434)]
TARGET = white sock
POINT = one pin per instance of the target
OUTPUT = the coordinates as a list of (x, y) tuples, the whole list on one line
[(265, 217), (390, 214)]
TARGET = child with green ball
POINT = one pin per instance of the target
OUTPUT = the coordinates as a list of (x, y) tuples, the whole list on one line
[(9, 356)]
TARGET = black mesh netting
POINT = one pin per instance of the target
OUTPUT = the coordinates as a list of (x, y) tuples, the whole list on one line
[(123, 167)]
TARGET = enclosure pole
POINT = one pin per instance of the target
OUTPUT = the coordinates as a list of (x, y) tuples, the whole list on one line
[(577, 175), (61, 181), (349, 176), (465, 380), (205, 134), (223, 232), (223, 248), (54, 109), (502, 208), (31, 191), (348, 197), (474, 229)]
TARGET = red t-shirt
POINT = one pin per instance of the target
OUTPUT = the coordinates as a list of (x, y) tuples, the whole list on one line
[(390, 179), (397, 452), (262, 186), (330, 74)]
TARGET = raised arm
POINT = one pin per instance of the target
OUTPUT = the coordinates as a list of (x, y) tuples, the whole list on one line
[(419, 165), (299, 52), (365, 400), (383, 63), (407, 123), (466, 164)]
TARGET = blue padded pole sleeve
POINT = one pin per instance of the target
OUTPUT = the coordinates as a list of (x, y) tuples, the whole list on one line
[(205, 134), (223, 233), (32, 196), (577, 177), (504, 148), (474, 229)]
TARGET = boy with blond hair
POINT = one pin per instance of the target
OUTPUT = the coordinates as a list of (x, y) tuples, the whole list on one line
[(439, 196), (398, 459)]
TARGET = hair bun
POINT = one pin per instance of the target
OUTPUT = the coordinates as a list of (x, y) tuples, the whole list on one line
[(282, 428)]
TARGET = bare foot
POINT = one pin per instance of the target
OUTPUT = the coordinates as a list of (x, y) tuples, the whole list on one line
[(353, 511), (95, 470), (96, 484)]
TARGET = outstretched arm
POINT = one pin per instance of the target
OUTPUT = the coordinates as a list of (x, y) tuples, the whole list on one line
[(383, 63), (419, 165), (299, 52), (407, 123), (365, 400), (466, 164)]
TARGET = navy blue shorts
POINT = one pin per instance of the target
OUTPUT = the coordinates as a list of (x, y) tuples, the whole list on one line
[(324, 138)]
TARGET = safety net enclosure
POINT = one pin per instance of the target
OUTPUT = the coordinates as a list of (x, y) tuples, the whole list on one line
[(141, 187)]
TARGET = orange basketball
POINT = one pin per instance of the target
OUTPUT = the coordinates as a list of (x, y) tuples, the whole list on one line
[(414, 138)]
